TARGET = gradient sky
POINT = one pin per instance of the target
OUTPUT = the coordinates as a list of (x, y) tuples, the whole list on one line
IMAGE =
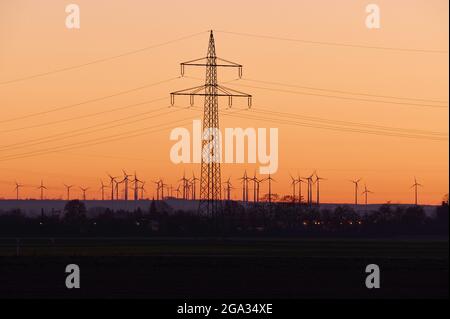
[(34, 39)]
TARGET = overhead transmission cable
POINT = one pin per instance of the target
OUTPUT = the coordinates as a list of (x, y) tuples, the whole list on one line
[(64, 107), (37, 75), (337, 44)]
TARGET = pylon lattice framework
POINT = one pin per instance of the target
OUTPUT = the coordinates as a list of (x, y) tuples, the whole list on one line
[(210, 180)]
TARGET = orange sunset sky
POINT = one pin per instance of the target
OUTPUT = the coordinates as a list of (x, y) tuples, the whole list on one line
[(404, 64)]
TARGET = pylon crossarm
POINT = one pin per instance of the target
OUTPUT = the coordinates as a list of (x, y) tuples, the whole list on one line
[(204, 62), (222, 91), (230, 63), (233, 92)]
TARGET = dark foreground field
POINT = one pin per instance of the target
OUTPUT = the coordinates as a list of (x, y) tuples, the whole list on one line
[(224, 268)]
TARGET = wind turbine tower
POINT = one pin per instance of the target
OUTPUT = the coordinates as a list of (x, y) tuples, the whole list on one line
[(365, 193), (356, 182), (68, 187), (42, 187), (416, 185), (17, 188), (84, 189)]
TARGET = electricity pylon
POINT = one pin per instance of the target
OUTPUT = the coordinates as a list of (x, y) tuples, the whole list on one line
[(210, 179)]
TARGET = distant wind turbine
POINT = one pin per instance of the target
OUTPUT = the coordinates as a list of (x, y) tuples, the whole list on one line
[(18, 186), (356, 182), (68, 187), (318, 179), (415, 185), (42, 187), (365, 193), (84, 189)]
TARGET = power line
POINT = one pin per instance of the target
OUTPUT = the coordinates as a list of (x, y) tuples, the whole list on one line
[(83, 116), (84, 130), (106, 139), (349, 45), (99, 60), (340, 97), (331, 121), (59, 108), (343, 92), (96, 141), (334, 127), (340, 129)]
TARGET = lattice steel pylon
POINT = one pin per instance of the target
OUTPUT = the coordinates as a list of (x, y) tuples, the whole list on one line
[(210, 181)]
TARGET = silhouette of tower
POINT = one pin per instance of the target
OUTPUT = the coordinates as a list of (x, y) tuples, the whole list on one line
[(415, 185), (210, 179), (17, 188), (356, 182), (68, 187), (42, 187)]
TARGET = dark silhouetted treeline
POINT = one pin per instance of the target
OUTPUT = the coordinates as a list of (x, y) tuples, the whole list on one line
[(280, 219)]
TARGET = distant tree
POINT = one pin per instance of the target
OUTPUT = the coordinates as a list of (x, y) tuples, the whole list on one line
[(152, 207), (75, 212), (445, 200), (442, 213), (414, 215), (345, 215)]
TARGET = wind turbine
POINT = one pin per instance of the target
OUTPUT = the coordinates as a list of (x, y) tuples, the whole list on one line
[(178, 191), (136, 182), (162, 189), (117, 188), (112, 181), (228, 188), (318, 179), (309, 180), (84, 189), (244, 180), (125, 180), (356, 182), (68, 187), (194, 186), (42, 187), (142, 188), (270, 179), (157, 188), (415, 185), (102, 188), (18, 186), (185, 185), (171, 190), (293, 183), (255, 181), (365, 193), (300, 181)]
